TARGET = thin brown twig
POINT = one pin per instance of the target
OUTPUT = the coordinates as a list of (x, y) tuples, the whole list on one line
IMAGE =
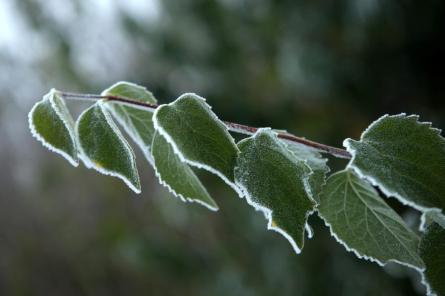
[(233, 127)]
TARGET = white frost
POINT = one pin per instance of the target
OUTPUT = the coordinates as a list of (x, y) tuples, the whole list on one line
[(36, 135), (90, 164), (429, 290), (130, 130), (179, 195), (388, 192), (268, 212), (361, 256), (176, 150)]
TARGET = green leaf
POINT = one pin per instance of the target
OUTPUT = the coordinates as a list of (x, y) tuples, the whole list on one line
[(429, 217), (404, 158), (103, 147), (174, 174), (177, 176), (51, 123), (136, 122), (197, 135), (361, 221), (130, 90), (316, 162), (432, 251), (274, 181)]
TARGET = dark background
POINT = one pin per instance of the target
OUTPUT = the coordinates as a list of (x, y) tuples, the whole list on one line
[(320, 69)]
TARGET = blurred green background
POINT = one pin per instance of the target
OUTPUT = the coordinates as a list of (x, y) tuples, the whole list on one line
[(320, 69)]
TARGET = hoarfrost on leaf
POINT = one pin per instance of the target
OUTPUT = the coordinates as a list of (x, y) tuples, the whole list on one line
[(103, 147), (316, 162), (274, 181), (432, 251), (361, 221), (197, 136), (137, 122), (172, 173), (177, 176), (51, 123), (405, 158)]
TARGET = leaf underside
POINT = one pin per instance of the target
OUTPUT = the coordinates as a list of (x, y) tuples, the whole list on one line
[(104, 148), (197, 135), (274, 181), (51, 123), (404, 158), (364, 223), (177, 176), (432, 251), (316, 162), (137, 123), (172, 173)]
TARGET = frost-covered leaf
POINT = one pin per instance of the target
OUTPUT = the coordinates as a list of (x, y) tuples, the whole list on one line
[(404, 158), (103, 147), (173, 173), (274, 181), (136, 122), (316, 162), (130, 90), (432, 251), (51, 123), (177, 175), (197, 135), (430, 217), (360, 220)]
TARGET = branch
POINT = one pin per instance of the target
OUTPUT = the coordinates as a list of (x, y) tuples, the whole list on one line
[(233, 127)]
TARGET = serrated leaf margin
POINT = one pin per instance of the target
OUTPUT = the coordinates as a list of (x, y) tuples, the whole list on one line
[(136, 138), (91, 165), (179, 195), (170, 140), (354, 251), (374, 181), (39, 138), (268, 212), (424, 281)]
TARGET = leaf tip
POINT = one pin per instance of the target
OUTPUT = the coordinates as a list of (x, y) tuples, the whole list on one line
[(274, 227)]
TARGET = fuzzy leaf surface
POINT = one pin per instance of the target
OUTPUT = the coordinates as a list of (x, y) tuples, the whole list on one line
[(360, 220), (51, 123), (274, 181), (136, 122), (432, 251), (316, 162), (405, 158), (177, 175), (103, 147), (197, 135)]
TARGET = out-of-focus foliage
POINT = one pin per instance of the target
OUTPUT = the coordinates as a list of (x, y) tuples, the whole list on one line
[(323, 70)]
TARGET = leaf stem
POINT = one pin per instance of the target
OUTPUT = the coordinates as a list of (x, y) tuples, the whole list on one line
[(233, 127)]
